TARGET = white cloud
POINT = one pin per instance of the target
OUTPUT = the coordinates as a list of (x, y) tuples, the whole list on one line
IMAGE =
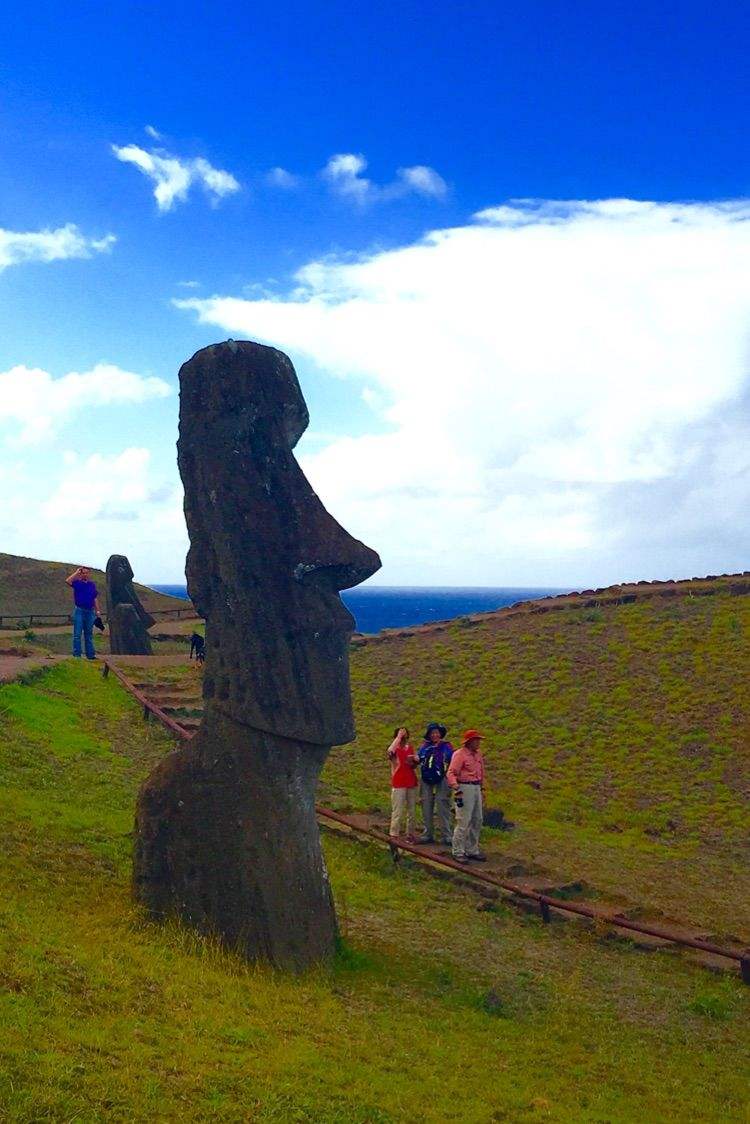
[(83, 509), (49, 245), (215, 181), (280, 177), (33, 404), (344, 174), (556, 378), (100, 485), (174, 176), (424, 181), (153, 132)]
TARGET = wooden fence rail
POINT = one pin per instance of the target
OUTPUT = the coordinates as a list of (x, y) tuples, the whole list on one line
[(546, 903), (28, 620)]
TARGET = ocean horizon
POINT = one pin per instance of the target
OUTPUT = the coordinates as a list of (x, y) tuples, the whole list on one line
[(377, 607)]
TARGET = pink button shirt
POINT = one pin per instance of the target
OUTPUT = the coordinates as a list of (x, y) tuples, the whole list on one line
[(466, 765)]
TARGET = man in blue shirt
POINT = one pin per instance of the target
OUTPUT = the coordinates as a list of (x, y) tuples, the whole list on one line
[(434, 758), (85, 612)]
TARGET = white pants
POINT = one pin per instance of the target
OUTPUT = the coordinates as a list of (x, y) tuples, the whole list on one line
[(468, 821), (403, 805)]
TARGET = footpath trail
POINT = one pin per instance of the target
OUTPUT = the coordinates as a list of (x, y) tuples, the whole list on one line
[(39, 630), (178, 704), (13, 667), (182, 627)]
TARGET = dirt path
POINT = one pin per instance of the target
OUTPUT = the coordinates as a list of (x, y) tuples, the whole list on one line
[(39, 629), (182, 627), (167, 659), (11, 667)]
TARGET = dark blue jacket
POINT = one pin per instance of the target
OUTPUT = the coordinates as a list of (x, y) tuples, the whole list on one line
[(443, 747)]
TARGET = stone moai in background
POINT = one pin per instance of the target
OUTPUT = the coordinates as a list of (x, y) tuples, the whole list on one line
[(226, 834), (128, 620)]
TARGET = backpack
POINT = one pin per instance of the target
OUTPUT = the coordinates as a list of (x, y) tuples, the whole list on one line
[(434, 765)]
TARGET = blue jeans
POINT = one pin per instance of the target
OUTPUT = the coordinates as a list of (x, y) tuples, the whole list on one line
[(83, 621)]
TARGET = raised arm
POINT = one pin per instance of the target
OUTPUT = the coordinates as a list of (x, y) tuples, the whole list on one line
[(73, 576)]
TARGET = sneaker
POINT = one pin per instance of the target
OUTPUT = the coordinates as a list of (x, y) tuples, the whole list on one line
[(411, 839), (424, 839), (478, 858), (461, 858)]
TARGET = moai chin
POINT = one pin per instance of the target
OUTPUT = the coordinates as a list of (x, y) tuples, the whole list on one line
[(128, 620), (226, 835)]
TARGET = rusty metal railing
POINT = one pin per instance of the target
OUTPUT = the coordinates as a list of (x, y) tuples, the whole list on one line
[(546, 902)]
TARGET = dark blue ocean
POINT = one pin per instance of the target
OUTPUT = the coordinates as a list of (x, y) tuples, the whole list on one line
[(375, 607)]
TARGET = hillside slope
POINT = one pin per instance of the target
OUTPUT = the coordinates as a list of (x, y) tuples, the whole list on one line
[(618, 738), (434, 1011), (30, 585)]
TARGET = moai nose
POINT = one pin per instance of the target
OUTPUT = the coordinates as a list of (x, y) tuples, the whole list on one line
[(338, 561)]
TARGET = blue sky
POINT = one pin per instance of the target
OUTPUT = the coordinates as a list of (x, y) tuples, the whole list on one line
[(333, 163)]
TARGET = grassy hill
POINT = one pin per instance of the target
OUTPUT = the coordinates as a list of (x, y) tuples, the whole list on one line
[(29, 585), (618, 737), (618, 726), (436, 1010)]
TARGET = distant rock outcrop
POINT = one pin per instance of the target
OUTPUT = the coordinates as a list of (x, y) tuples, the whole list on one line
[(128, 620)]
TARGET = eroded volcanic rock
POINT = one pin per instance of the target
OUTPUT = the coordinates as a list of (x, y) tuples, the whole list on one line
[(226, 835), (128, 620)]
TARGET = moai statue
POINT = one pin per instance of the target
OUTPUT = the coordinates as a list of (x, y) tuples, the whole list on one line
[(226, 834), (128, 620)]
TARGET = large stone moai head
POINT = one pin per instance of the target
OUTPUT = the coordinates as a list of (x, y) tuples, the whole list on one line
[(266, 560), (128, 620)]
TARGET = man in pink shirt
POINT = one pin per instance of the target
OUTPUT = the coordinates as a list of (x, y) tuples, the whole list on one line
[(466, 778)]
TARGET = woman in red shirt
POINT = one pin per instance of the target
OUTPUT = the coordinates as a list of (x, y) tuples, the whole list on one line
[(404, 763)]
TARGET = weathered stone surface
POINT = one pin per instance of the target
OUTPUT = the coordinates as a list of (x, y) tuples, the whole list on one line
[(128, 620), (226, 836), (266, 560)]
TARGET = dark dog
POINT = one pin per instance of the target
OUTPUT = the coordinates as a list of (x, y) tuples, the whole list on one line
[(197, 647)]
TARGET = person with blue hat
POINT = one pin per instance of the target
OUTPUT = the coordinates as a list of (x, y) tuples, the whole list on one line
[(434, 758)]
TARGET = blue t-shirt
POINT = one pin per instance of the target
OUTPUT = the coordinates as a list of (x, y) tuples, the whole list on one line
[(84, 594)]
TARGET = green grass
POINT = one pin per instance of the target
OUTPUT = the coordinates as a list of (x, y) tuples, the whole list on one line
[(435, 1010), (31, 585), (618, 741)]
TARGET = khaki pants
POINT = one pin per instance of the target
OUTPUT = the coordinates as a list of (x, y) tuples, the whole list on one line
[(468, 822), (403, 806), (440, 795)]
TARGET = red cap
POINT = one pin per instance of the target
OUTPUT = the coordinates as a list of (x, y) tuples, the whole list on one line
[(469, 735)]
